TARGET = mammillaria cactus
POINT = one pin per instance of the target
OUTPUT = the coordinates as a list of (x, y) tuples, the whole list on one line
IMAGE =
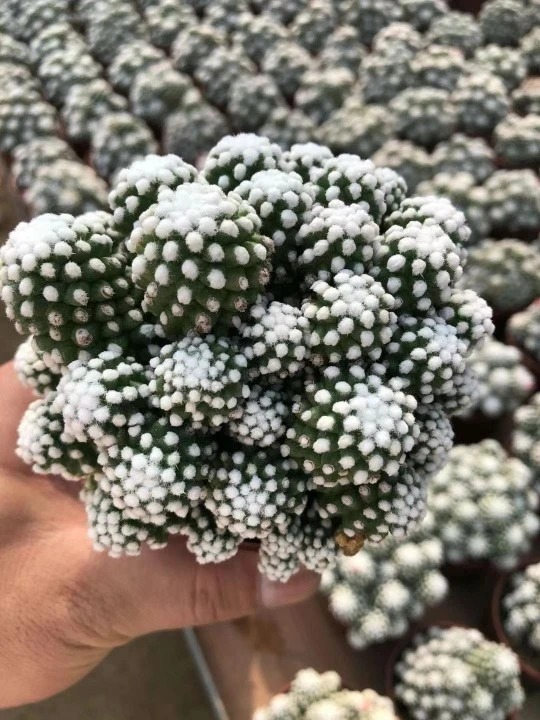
[(424, 115), (314, 696), (438, 66), (342, 49), (238, 341), (136, 187), (287, 127), (213, 232), (513, 203), (193, 44), (86, 104), (385, 73), (456, 671), (23, 119), (219, 71), (504, 383), (62, 69), (251, 101), (480, 101), (521, 610), (484, 505), (119, 139), (12, 51), (517, 141), (314, 24), (193, 130), (410, 161), (54, 37), (371, 16), (377, 593), (28, 18), (280, 199), (35, 369), (258, 35), (524, 330), (456, 29), (166, 19), (356, 127), (239, 157), (421, 13), (526, 438), (323, 91), (506, 63), (506, 273), (76, 269), (526, 98), (398, 34), (463, 154), (66, 186), (132, 58), (503, 21), (287, 63), (110, 26), (158, 91)]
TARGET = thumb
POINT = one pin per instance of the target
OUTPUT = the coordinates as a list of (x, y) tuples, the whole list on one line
[(169, 589)]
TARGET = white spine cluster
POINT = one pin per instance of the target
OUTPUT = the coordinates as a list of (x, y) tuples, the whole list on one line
[(351, 318), (239, 157), (36, 370)]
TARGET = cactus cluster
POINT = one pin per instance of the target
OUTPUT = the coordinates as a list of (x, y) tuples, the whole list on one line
[(521, 610), (484, 505), (455, 673), (267, 349), (377, 593), (314, 696), (504, 382)]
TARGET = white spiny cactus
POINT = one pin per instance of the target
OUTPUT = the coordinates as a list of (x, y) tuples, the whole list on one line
[(454, 673)]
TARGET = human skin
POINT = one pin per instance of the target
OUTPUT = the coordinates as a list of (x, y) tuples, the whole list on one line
[(64, 607)]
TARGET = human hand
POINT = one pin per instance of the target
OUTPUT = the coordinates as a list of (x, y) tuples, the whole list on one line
[(63, 606)]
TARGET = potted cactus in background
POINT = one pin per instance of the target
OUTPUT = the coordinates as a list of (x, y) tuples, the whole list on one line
[(526, 436), (377, 593), (454, 673), (320, 696), (484, 505), (516, 617)]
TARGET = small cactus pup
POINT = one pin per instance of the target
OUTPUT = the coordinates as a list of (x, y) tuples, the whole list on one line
[(377, 593), (314, 696), (484, 505), (504, 381), (136, 187), (212, 261), (523, 330), (64, 283), (456, 673), (526, 436), (238, 157), (520, 611)]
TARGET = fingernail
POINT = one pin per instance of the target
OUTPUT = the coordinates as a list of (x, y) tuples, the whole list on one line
[(300, 587)]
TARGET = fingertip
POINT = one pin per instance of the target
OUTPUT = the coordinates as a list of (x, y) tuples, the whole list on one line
[(278, 594)]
